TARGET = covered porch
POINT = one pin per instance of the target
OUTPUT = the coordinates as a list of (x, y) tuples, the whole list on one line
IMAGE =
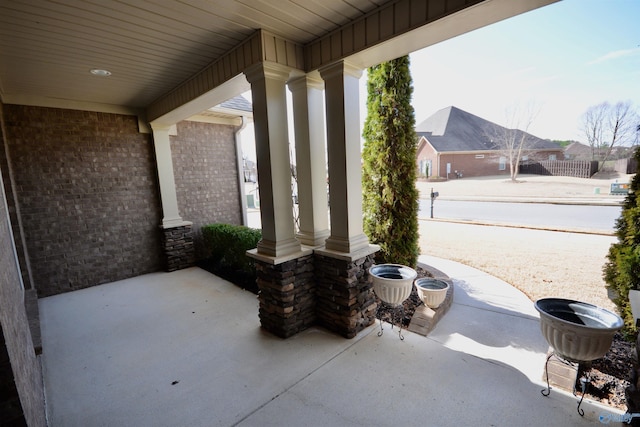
[(184, 348), (74, 136), (323, 78)]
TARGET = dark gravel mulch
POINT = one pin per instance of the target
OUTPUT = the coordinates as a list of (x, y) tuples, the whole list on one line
[(610, 376)]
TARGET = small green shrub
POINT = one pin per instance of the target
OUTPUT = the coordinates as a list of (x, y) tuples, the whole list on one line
[(229, 243), (214, 236), (622, 269)]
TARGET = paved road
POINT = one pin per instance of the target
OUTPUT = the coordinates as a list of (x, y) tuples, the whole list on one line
[(600, 218)]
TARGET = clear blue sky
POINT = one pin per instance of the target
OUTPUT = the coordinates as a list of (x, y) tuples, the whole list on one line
[(563, 58)]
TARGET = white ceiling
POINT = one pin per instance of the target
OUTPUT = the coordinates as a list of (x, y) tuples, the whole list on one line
[(47, 48)]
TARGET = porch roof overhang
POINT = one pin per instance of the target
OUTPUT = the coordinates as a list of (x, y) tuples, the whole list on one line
[(177, 59)]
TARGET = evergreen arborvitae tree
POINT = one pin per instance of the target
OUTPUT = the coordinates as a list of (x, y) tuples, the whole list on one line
[(390, 196), (622, 269)]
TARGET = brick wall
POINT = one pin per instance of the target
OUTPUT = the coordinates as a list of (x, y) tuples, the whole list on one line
[(484, 164), (5, 169), (481, 164), (87, 191), (471, 164), (21, 388), (206, 175)]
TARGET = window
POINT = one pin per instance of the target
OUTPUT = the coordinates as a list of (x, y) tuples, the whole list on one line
[(503, 164), (552, 157), (425, 167)]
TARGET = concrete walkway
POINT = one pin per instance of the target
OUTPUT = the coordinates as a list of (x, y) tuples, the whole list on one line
[(186, 349)]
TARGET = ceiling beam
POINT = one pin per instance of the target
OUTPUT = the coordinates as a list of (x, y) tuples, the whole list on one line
[(261, 46)]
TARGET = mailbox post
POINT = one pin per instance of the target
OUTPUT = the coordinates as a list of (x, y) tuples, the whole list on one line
[(433, 197)]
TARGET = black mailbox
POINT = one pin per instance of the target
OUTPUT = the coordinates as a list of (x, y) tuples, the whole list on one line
[(434, 194)]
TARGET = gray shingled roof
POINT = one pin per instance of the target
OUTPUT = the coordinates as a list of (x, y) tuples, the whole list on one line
[(452, 129), (237, 103), (577, 149)]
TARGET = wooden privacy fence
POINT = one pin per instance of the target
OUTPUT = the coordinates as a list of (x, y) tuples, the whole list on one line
[(628, 165), (577, 168)]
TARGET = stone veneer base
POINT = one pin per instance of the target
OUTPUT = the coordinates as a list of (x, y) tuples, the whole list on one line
[(316, 287), (287, 295), (177, 245), (346, 303)]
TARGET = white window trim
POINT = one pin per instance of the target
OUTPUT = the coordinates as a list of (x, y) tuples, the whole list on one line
[(503, 164)]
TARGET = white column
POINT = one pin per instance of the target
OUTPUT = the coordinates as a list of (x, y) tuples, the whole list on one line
[(308, 116), (161, 142), (343, 149), (268, 89)]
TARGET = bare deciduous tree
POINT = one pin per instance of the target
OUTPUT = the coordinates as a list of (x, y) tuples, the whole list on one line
[(607, 126), (512, 141)]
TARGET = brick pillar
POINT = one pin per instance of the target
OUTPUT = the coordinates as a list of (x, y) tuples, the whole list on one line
[(346, 303), (177, 244), (287, 295)]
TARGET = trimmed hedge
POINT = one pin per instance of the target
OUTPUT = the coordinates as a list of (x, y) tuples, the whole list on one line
[(229, 243)]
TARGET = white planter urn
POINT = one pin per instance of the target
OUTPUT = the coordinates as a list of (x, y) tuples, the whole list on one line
[(392, 282), (577, 331), (432, 292)]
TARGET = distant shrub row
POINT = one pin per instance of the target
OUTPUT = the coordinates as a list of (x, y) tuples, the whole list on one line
[(228, 245)]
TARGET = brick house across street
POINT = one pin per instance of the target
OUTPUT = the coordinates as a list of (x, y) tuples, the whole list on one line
[(453, 143)]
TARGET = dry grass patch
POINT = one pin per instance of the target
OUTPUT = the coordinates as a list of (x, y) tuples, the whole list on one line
[(539, 263)]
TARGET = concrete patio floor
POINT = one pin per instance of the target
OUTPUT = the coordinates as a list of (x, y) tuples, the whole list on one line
[(186, 349)]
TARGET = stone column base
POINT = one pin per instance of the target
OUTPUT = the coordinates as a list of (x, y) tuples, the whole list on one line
[(287, 295), (346, 303), (323, 287), (177, 245)]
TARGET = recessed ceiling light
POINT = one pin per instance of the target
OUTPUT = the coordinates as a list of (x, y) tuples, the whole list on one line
[(101, 73)]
